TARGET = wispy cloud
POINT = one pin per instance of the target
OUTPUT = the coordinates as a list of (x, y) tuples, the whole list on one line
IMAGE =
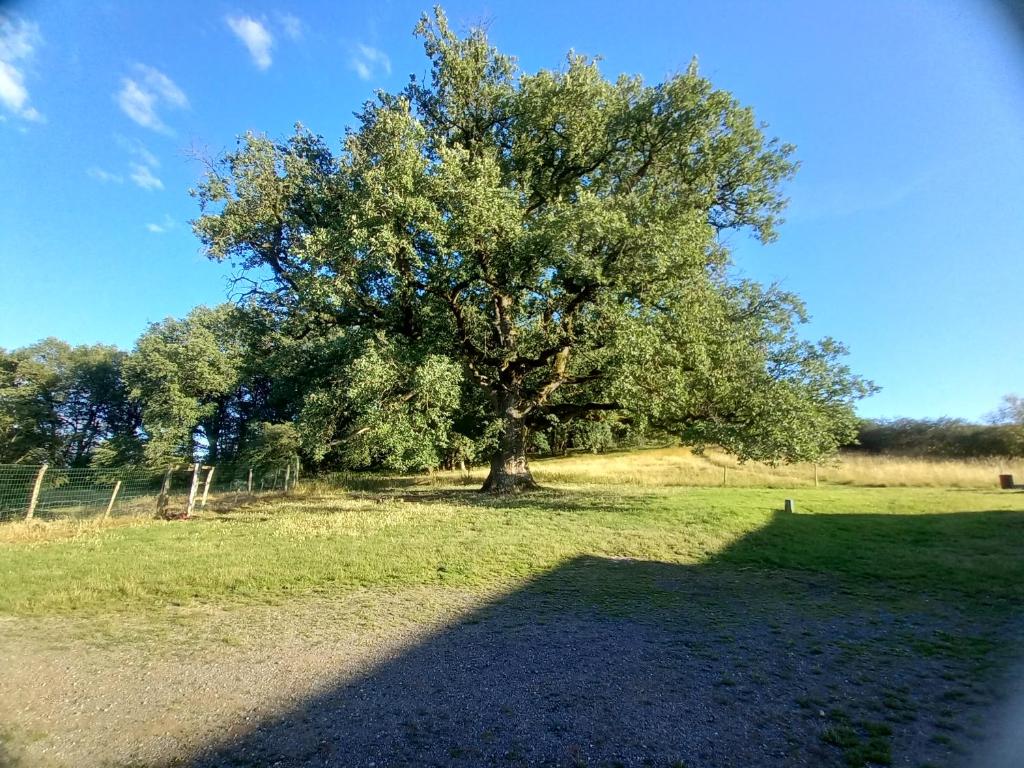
[(143, 96), (292, 26), (105, 176), (18, 42), (142, 166), (368, 62), (144, 177), (165, 225), (138, 150), (255, 36)]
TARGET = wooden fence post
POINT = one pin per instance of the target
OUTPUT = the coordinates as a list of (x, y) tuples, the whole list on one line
[(193, 490), (725, 471), (287, 475), (165, 493), (206, 487), (815, 475), (250, 481), (35, 492), (113, 498), (296, 480)]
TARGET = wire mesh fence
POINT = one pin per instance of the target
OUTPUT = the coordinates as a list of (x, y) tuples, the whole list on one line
[(42, 492)]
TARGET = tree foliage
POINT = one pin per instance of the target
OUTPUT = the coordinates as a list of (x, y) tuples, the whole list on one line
[(188, 375), (60, 403), (941, 438)]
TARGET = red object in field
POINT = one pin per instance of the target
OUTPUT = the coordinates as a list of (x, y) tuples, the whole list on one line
[(1006, 482)]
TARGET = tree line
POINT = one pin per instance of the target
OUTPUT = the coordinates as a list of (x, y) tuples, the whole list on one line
[(948, 438)]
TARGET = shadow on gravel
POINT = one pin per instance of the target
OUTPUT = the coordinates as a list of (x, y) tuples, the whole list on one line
[(751, 659)]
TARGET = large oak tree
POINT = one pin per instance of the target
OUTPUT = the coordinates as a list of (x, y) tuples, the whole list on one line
[(559, 235)]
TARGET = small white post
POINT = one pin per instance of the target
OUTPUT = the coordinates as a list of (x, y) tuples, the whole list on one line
[(35, 492), (287, 475), (250, 481), (113, 498), (193, 490), (815, 475), (206, 487)]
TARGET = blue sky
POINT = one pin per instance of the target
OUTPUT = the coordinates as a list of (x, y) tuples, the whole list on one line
[(904, 233)]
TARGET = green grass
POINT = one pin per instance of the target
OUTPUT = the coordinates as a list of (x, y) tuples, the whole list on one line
[(896, 542)]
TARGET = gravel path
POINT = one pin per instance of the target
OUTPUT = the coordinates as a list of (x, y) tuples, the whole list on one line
[(712, 674)]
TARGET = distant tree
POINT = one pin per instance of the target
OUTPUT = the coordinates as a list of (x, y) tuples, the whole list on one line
[(1010, 411), (188, 377), (940, 438), (270, 445), (558, 235), (1010, 416), (60, 403)]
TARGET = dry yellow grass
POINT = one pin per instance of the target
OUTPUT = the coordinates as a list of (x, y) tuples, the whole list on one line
[(681, 466), (39, 531)]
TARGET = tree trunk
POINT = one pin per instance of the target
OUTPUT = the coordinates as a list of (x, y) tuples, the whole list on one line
[(510, 472)]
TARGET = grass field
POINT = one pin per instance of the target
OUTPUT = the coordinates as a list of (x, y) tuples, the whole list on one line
[(892, 594)]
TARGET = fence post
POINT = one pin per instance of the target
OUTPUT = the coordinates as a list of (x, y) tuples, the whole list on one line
[(725, 471), (35, 492), (113, 497), (815, 475), (250, 481), (296, 480), (165, 492), (287, 475), (193, 490), (206, 487)]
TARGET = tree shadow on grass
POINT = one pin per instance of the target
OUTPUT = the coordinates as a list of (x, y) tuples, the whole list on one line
[(760, 657)]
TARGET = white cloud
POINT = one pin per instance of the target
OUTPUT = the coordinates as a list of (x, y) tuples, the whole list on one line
[(105, 176), (141, 97), (163, 85), (144, 178), (138, 150), (361, 69), (292, 26), (18, 42), (165, 225), (368, 61), (255, 37)]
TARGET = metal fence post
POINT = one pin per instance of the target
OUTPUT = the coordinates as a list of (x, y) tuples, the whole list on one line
[(35, 492), (113, 497), (206, 487)]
